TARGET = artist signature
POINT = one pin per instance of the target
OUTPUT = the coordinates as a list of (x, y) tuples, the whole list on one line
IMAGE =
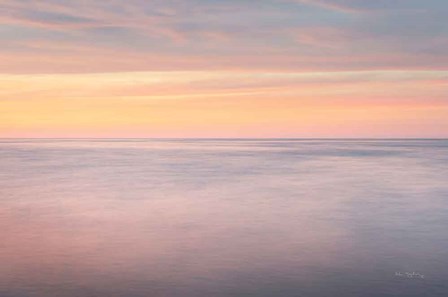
[(409, 274)]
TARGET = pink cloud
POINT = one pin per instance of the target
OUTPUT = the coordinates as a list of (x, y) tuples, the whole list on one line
[(326, 37), (343, 5)]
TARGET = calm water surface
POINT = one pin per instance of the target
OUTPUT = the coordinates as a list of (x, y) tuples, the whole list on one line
[(215, 218)]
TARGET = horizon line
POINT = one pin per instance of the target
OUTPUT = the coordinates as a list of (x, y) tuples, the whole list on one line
[(224, 138)]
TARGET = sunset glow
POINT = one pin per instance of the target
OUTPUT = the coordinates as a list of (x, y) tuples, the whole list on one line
[(199, 68)]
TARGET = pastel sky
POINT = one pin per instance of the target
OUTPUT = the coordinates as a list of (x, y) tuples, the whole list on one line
[(224, 68)]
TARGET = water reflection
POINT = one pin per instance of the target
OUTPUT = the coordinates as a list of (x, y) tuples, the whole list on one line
[(223, 218)]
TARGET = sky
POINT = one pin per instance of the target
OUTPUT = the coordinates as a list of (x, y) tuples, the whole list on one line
[(215, 68)]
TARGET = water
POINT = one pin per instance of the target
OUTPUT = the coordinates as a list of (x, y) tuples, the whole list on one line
[(214, 218)]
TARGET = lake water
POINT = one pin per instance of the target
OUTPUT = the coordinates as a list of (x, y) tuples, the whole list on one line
[(215, 218)]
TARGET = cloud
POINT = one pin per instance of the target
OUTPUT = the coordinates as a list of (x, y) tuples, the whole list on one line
[(357, 85), (135, 35), (363, 6), (326, 37), (181, 104)]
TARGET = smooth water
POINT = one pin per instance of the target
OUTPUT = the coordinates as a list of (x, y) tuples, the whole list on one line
[(214, 218)]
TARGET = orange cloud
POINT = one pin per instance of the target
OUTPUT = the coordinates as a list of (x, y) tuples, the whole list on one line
[(220, 104)]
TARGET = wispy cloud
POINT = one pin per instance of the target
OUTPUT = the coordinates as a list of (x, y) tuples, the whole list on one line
[(365, 6), (222, 103), (83, 65), (135, 35)]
